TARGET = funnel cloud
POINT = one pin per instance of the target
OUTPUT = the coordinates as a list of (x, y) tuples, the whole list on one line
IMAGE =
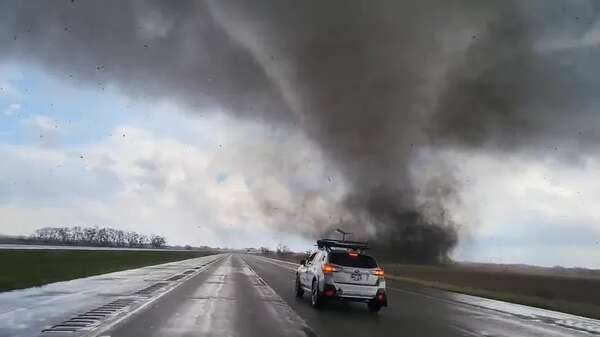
[(370, 84)]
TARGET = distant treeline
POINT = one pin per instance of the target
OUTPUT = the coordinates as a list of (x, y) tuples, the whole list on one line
[(95, 236)]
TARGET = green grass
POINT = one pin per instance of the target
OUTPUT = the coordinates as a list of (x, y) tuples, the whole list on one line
[(29, 268)]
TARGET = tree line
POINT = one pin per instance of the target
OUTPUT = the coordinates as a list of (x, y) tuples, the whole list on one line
[(97, 236), (281, 250)]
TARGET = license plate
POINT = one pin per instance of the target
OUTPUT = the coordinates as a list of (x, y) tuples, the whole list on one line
[(356, 276)]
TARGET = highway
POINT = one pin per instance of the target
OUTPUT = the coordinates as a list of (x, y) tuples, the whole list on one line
[(246, 295)]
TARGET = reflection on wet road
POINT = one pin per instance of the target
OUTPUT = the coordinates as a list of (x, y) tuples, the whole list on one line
[(416, 311), (247, 295), (228, 300)]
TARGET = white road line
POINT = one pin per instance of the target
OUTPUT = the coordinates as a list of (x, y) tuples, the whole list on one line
[(423, 295), (465, 331), (282, 261), (290, 312), (211, 316), (577, 324), (276, 262), (106, 327)]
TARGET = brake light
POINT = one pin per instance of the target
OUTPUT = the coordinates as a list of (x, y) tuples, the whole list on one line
[(353, 254), (381, 298), (378, 272), (329, 268), (329, 292)]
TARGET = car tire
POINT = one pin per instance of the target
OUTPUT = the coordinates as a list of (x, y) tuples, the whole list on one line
[(374, 307), (315, 296), (299, 289)]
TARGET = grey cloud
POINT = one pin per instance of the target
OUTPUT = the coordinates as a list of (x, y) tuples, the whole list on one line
[(522, 86), (113, 42)]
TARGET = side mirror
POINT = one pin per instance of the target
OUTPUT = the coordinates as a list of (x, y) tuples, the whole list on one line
[(303, 262)]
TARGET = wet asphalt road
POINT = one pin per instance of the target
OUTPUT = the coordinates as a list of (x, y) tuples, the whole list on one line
[(245, 295), (26, 312), (228, 299)]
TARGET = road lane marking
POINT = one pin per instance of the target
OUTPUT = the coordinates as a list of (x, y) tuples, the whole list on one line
[(282, 261), (66, 295), (422, 295), (464, 331), (209, 311), (578, 324), (292, 316), (109, 325), (274, 262)]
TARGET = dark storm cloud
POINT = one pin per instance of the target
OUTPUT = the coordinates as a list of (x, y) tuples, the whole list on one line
[(526, 82), (370, 83), (150, 49)]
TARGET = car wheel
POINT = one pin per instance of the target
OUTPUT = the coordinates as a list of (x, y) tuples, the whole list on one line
[(315, 297), (299, 290), (374, 306)]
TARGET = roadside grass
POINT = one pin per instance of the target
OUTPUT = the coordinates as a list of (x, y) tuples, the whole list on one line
[(574, 295), (29, 268)]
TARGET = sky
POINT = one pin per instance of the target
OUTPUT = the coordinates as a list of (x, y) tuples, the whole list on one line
[(90, 156), (107, 146)]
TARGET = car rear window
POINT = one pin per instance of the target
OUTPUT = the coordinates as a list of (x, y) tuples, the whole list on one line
[(347, 260)]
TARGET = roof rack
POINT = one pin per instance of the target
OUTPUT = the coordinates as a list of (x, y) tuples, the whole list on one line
[(330, 243)]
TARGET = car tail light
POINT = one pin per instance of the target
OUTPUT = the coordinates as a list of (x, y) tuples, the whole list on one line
[(329, 268), (378, 272), (329, 292), (353, 254), (381, 298)]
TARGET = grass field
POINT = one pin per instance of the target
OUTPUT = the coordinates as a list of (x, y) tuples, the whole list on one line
[(28, 268)]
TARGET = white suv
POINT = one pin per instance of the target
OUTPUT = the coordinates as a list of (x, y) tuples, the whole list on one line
[(339, 270)]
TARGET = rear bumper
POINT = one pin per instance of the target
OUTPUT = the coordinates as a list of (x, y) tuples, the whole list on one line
[(355, 293), (350, 290)]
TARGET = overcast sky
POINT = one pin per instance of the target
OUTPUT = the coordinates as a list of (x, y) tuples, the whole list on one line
[(153, 168), (81, 151)]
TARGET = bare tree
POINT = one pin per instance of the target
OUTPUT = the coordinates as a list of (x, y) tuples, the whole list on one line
[(90, 235), (143, 240), (77, 235), (282, 249), (157, 241), (131, 238), (119, 238), (96, 236)]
